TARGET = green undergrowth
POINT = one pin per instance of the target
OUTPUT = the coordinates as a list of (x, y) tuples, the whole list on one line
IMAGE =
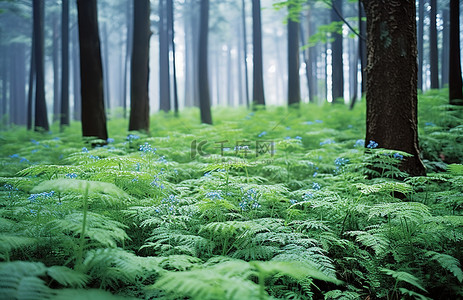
[(271, 204)]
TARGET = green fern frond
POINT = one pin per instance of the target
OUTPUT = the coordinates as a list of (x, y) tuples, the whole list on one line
[(447, 262), (455, 169), (9, 242), (49, 171), (179, 262), (414, 211), (372, 239), (67, 277), (81, 294), (405, 277), (388, 186), (100, 229)]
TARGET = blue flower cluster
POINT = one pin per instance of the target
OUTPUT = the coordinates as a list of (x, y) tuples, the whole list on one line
[(307, 196), (132, 137), (372, 144), (168, 205), (146, 148), (22, 159), (71, 175), (157, 183), (84, 150), (215, 195), (293, 201), (341, 161), (359, 143), (35, 197), (250, 199), (398, 156), (316, 186)]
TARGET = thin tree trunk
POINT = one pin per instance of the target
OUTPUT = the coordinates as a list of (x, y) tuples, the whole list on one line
[(164, 74), (258, 97), (64, 119), (41, 118), (204, 96), (31, 91), (455, 80), (433, 52), (336, 54), (362, 46), (55, 60), (77, 111), (305, 55), (445, 46), (420, 33), (128, 54), (170, 9), (139, 102), (91, 70), (294, 84), (245, 49), (106, 79)]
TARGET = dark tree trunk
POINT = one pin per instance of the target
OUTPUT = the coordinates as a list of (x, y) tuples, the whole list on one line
[(91, 70), (170, 9), (17, 72), (31, 90), (203, 78), (336, 54), (392, 79), (433, 52), (362, 47), (445, 46), (128, 55), (420, 33), (294, 85), (105, 62), (257, 74), (455, 81), (164, 74), (64, 116), (245, 52), (55, 60), (41, 118), (77, 111), (139, 102)]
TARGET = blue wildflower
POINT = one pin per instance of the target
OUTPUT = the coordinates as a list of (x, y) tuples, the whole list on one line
[(327, 142), (298, 138), (309, 122), (110, 140), (318, 121), (359, 143), (316, 186), (14, 156), (71, 175), (262, 133), (341, 161), (431, 124), (307, 196), (214, 195), (398, 156), (372, 144), (315, 174), (84, 150), (23, 159), (293, 201), (135, 179)]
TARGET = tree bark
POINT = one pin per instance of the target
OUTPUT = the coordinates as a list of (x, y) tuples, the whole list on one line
[(420, 43), (362, 46), (433, 52), (336, 54), (203, 78), (128, 55), (258, 97), (392, 79), (294, 85), (170, 10), (64, 116), (245, 52), (56, 73), (445, 46), (164, 74), (31, 90), (139, 75), (91, 72), (455, 81), (77, 111), (41, 118)]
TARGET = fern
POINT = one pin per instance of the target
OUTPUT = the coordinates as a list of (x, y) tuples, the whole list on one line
[(401, 276), (372, 238), (447, 262), (413, 211)]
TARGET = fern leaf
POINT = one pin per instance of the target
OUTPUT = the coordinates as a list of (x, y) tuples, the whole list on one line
[(405, 277), (447, 262), (414, 211), (81, 294), (375, 240), (67, 277)]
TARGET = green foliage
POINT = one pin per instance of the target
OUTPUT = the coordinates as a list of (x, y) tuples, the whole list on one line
[(312, 215)]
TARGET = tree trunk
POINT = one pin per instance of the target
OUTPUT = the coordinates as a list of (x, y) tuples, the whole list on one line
[(362, 47), (170, 10), (245, 52), (294, 85), (128, 55), (41, 118), (433, 52), (420, 43), (91, 72), (139, 102), (164, 74), (55, 60), (105, 62), (455, 81), (445, 46), (258, 97), (77, 111), (31, 90), (64, 116), (336, 54), (392, 79), (203, 78)]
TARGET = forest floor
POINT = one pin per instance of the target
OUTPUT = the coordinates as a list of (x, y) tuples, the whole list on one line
[(272, 204)]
